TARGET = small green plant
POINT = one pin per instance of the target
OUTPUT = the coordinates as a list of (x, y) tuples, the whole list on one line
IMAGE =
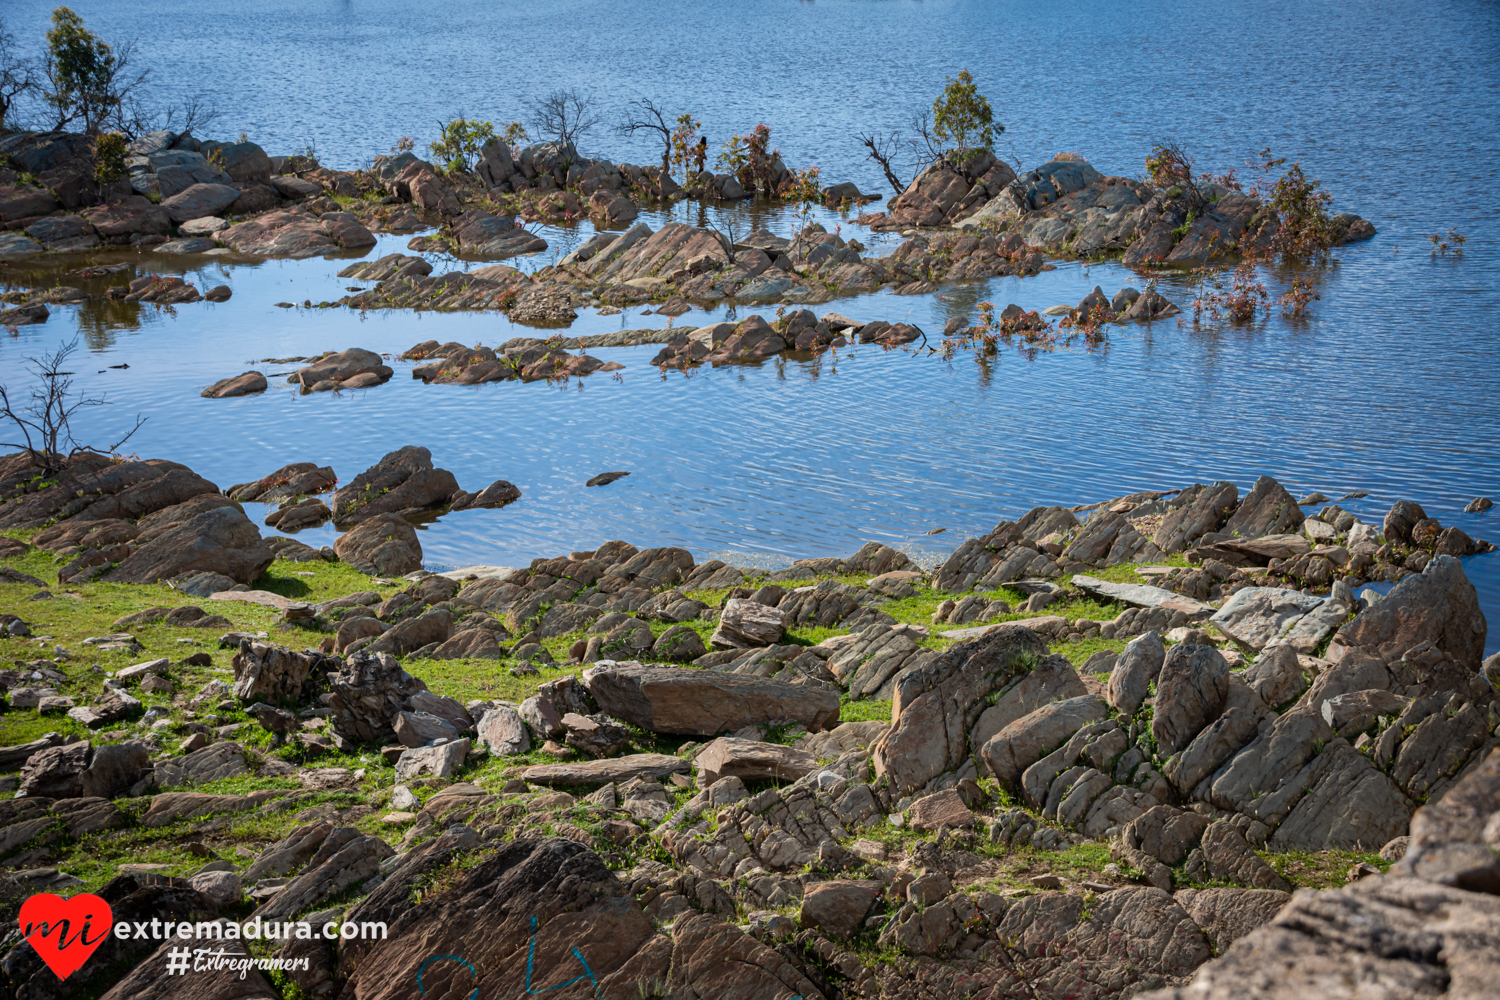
[(460, 141), (515, 135), (751, 159), (109, 157), (687, 150), (962, 118)]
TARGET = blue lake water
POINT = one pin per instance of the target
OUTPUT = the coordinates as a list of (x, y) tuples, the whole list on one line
[(1388, 386)]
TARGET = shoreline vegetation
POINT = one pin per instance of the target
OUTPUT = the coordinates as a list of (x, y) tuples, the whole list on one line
[(120, 189), (874, 770), (1172, 743)]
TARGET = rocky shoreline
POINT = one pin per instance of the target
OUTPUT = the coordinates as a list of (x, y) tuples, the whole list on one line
[(1089, 752), (966, 222)]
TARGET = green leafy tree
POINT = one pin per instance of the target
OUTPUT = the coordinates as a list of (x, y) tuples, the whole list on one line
[(460, 142), (81, 71), (962, 120)]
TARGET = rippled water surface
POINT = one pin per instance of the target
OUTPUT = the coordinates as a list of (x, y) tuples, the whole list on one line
[(1389, 386)]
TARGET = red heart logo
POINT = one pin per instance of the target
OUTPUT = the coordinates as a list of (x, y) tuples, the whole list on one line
[(65, 932)]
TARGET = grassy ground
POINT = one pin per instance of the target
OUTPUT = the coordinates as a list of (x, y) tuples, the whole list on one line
[(76, 613)]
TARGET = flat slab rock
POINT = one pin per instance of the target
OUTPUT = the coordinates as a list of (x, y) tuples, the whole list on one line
[(1142, 596), (1255, 616), (603, 772), (705, 702)]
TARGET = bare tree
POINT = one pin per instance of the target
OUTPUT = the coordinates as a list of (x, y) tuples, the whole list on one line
[(924, 145), (565, 115), (881, 151), (646, 115), (727, 231), (51, 411), (134, 117), (18, 76)]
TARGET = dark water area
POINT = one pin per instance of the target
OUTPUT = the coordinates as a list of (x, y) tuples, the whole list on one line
[(1388, 386)]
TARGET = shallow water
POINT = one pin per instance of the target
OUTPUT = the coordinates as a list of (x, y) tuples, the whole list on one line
[(1388, 386)]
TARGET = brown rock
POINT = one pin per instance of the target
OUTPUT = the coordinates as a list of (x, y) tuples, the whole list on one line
[(222, 540), (945, 808), (938, 703), (839, 907), (1438, 605), (749, 760), (705, 702), (381, 545)]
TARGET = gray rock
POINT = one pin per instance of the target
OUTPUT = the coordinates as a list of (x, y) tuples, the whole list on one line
[(502, 731), (744, 624), (751, 760), (1257, 616), (1230, 857), (1268, 509), (1381, 938), (344, 859), (199, 200), (417, 729), (1190, 693), (440, 761), (1054, 679), (839, 906), (1226, 915), (941, 700), (705, 702), (1195, 512), (1022, 743), (218, 760), (1138, 665), (603, 772), (1142, 596), (1276, 675), (1438, 605), (1348, 805), (1258, 780)]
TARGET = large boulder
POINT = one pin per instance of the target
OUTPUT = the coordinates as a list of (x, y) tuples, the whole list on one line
[(198, 201), (296, 235), (705, 702), (131, 215), (938, 703), (366, 696), (230, 976), (1190, 693), (222, 540), (342, 367), (1030, 738), (751, 760), (745, 623), (80, 770), (1438, 605), (92, 487), (382, 545), (272, 674), (1137, 666), (1194, 513), (532, 914), (1268, 509), (1382, 938), (404, 480), (1455, 840)]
